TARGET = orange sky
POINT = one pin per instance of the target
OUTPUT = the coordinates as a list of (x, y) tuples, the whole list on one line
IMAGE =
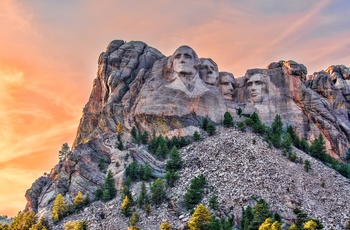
[(49, 52)]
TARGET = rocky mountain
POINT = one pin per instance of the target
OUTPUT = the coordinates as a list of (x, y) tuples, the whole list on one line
[(138, 86)]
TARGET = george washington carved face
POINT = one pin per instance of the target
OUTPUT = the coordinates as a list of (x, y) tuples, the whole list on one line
[(184, 60), (257, 87)]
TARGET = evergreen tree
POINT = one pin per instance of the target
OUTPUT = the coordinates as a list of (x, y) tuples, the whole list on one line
[(143, 199), (307, 165), (158, 192), (318, 148), (134, 218), (120, 145), (268, 224), (310, 225), (175, 161), (133, 132), (63, 153), (132, 170), (78, 201), (213, 203), (211, 129), (59, 209), (147, 174), (247, 218), (200, 218), (260, 213), (126, 206), (205, 123), (304, 145), (287, 144), (23, 221), (153, 144), (196, 136), (241, 126), (171, 177), (144, 137), (194, 193), (295, 138), (228, 120), (109, 190), (41, 225), (98, 194), (86, 200), (165, 226)]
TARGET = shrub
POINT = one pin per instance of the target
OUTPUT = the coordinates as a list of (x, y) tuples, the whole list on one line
[(135, 218), (196, 136), (165, 226), (242, 126), (213, 203), (76, 225), (228, 120), (211, 129)]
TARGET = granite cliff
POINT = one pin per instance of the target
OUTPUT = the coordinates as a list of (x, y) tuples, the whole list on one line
[(138, 86)]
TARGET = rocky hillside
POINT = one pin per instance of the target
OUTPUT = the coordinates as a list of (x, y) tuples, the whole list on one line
[(137, 86), (238, 166)]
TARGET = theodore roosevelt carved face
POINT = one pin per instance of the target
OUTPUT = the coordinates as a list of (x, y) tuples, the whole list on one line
[(257, 87), (226, 85)]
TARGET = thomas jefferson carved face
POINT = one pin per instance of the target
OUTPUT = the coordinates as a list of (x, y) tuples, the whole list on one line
[(257, 87), (184, 60), (210, 73), (226, 85)]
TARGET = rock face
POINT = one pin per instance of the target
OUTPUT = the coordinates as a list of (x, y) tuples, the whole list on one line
[(138, 86)]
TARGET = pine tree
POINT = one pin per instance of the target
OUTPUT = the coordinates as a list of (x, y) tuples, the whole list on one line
[(247, 218), (268, 224), (109, 190), (211, 129), (23, 221), (307, 165), (228, 120), (194, 193), (171, 177), (126, 206), (165, 226), (78, 200), (76, 225), (134, 218), (133, 132), (260, 213), (120, 145), (143, 199), (205, 123), (41, 225), (175, 161), (63, 153), (304, 145), (144, 137), (196, 136), (287, 144), (59, 209), (295, 138), (200, 218), (213, 203), (147, 174), (310, 225), (318, 148), (158, 192), (132, 170)]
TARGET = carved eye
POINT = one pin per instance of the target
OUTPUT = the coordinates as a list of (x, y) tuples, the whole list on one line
[(212, 68), (249, 84), (177, 56), (258, 82), (188, 56)]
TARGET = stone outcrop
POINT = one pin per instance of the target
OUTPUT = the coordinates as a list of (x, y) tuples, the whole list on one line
[(138, 86)]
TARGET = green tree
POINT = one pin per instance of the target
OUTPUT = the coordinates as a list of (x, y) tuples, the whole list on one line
[(147, 173), (132, 170), (260, 213), (109, 190), (287, 144), (175, 161), (307, 165), (196, 136), (23, 221), (205, 123), (165, 226), (143, 199), (214, 203), (120, 145), (76, 225), (171, 177), (134, 218), (295, 138), (63, 153), (59, 209), (211, 129), (194, 193), (241, 126), (144, 137), (158, 192), (247, 218), (228, 120), (78, 201), (304, 145), (133, 132), (318, 148), (200, 219), (162, 150)]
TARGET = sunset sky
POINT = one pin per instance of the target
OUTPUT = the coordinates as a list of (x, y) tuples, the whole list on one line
[(49, 52)]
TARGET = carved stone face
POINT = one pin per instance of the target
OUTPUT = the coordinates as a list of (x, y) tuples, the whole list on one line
[(226, 86), (257, 88), (184, 61), (210, 72)]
